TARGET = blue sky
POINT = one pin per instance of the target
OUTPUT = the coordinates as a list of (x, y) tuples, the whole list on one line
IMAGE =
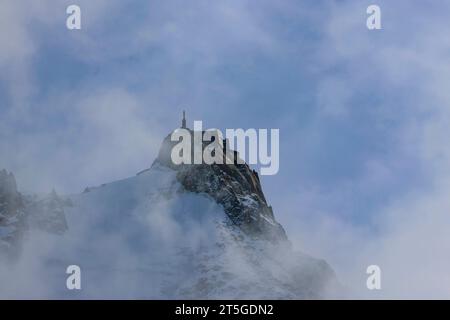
[(362, 114)]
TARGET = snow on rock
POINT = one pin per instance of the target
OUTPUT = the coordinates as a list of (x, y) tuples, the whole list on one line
[(21, 213), (11, 214), (234, 186), (186, 232), (47, 212)]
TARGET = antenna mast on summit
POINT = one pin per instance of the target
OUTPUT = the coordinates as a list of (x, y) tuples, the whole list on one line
[(183, 122)]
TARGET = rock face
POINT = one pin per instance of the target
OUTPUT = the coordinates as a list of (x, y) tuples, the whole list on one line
[(20, 213), (12, 214), (261, 239), (47, 213), (234, 186), (170, 232)]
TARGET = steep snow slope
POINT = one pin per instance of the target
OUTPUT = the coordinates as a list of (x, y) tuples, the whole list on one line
[(148, 237)]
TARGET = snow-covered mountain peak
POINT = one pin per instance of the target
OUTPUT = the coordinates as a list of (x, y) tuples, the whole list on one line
[(169, 232)]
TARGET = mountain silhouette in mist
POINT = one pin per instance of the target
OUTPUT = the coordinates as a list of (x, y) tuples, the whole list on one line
[(170, 232)]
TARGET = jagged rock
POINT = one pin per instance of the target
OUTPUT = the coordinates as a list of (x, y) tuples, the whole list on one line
[(235, 186), (20, 213), (12, 215), (173, 232), (47, 213)]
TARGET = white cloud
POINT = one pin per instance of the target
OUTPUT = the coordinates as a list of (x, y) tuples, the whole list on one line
[(411, 241), (109, 129)]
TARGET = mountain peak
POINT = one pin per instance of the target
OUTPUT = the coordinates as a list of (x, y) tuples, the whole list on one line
[(234, 186), (171, 231)]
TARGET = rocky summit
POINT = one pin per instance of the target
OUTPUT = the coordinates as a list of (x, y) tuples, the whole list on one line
[(170, 232), (235, 187)]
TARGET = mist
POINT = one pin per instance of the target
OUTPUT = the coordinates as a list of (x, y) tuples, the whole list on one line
[(363, 119)]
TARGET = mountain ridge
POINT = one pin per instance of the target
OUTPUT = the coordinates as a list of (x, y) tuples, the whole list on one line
[(175, 232)]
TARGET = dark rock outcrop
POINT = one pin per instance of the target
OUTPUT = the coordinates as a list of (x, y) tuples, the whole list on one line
[(20, 213), (234, 186), (12, 214)]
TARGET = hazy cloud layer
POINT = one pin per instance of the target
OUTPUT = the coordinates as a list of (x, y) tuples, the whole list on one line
[(363, 115)]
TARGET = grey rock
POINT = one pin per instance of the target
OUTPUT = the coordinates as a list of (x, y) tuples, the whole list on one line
[(12, 214), (234, 186), (20, 213)]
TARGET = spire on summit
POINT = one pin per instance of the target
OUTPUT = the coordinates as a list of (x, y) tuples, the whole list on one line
[(183, 121)]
